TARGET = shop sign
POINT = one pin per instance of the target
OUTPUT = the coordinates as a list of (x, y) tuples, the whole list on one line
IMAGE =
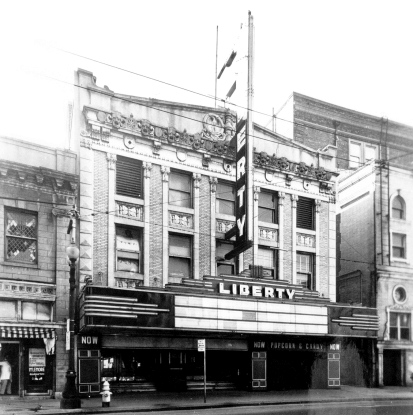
[(89, 341), (37, 363), (255, 291), (298, 346)]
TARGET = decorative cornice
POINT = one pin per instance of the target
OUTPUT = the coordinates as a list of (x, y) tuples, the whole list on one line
[(275, 163), (214, 138)]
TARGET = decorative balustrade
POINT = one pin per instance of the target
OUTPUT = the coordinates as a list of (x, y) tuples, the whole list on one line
[(183, 220), (268, 234), (224, 225), (306, 240), (128, 210)]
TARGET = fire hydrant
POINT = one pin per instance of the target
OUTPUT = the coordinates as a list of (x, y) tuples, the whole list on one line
[(105, 394)]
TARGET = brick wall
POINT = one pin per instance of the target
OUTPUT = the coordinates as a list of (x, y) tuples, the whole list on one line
[(287, 238), (101, 219), (205, 227), (324, 258), (155, 228)]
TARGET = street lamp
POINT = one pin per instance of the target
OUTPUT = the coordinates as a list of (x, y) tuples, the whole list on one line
[(70, 396)]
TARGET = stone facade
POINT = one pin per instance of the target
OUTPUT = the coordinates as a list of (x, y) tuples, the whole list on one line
[(36, 198)]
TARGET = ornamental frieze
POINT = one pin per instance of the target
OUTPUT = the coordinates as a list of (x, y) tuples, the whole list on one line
[(214, 137), (263, 159)]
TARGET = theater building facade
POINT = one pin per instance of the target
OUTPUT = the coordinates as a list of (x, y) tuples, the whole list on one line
[(157, 196)]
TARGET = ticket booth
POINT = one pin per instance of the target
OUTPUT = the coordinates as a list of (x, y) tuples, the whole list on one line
[(89, 364)]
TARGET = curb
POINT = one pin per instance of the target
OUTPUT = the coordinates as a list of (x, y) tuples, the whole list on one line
[(166, 408)]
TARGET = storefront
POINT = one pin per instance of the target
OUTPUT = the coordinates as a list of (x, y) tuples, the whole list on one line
[(259, 335), (30, 353)]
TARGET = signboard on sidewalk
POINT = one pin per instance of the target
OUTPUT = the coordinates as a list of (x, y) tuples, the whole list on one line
[(201, 345)]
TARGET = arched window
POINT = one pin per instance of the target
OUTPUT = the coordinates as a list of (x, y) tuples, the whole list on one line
[(398, 208)]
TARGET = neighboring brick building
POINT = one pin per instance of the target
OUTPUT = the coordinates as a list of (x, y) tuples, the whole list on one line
[(37, 187), (374, 222), (157, 195)]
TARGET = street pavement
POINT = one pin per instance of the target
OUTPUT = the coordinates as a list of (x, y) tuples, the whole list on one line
[(171, 402)]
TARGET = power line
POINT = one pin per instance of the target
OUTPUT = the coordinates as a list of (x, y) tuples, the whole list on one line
[(187, 117), (342, 134)]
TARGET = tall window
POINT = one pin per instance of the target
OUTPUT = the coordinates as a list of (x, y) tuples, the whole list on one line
[(399, 245), (21, 236), (266, 259), (225, 199), (267, 207), (128, 249), (399, 326), (224, 266), (397, 208), (180, 256), (129, 177), (305, 213), (360, 153), (305, 270), (180, 189)]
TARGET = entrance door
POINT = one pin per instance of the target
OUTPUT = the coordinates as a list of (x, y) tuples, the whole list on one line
[(392, 368)]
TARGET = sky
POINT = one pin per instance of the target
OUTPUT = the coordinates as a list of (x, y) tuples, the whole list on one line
[(356, 54)]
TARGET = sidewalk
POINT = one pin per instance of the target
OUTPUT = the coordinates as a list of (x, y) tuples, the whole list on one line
[(142, 402)]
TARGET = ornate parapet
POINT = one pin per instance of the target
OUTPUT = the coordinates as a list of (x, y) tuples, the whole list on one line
[(274, 163), (214, 136)]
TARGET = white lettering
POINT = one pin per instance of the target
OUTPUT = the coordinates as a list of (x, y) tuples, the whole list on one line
[(240, 194), (222, 290), (256, 291), (268, 292), (290, 293), (241, 139), (240, 224), (234, 289), (280, 292), (240, 167), (244, 289)]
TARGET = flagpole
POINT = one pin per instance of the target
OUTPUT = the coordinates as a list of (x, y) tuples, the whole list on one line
[(250, 144), (216, 68)]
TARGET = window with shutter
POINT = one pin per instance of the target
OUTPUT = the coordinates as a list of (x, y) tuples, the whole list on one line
[(180, 257), (305, 213), (129, 180), (267, 260), (224, 266)]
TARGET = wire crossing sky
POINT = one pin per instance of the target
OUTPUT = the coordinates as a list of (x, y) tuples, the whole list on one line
[(349, 53)]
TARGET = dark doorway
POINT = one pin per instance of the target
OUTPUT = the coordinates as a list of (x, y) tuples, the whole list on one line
[(392, 368), (290, 370), (10, 351)]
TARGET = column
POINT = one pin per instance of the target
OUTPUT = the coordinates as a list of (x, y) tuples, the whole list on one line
[(257, 191), (294, 199), (195, 267), (318, 259), (111, 158), (281, 197), (213, 182), (147, 167), (165, 224)]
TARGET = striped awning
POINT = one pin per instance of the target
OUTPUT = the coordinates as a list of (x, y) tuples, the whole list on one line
[(21, 332)]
